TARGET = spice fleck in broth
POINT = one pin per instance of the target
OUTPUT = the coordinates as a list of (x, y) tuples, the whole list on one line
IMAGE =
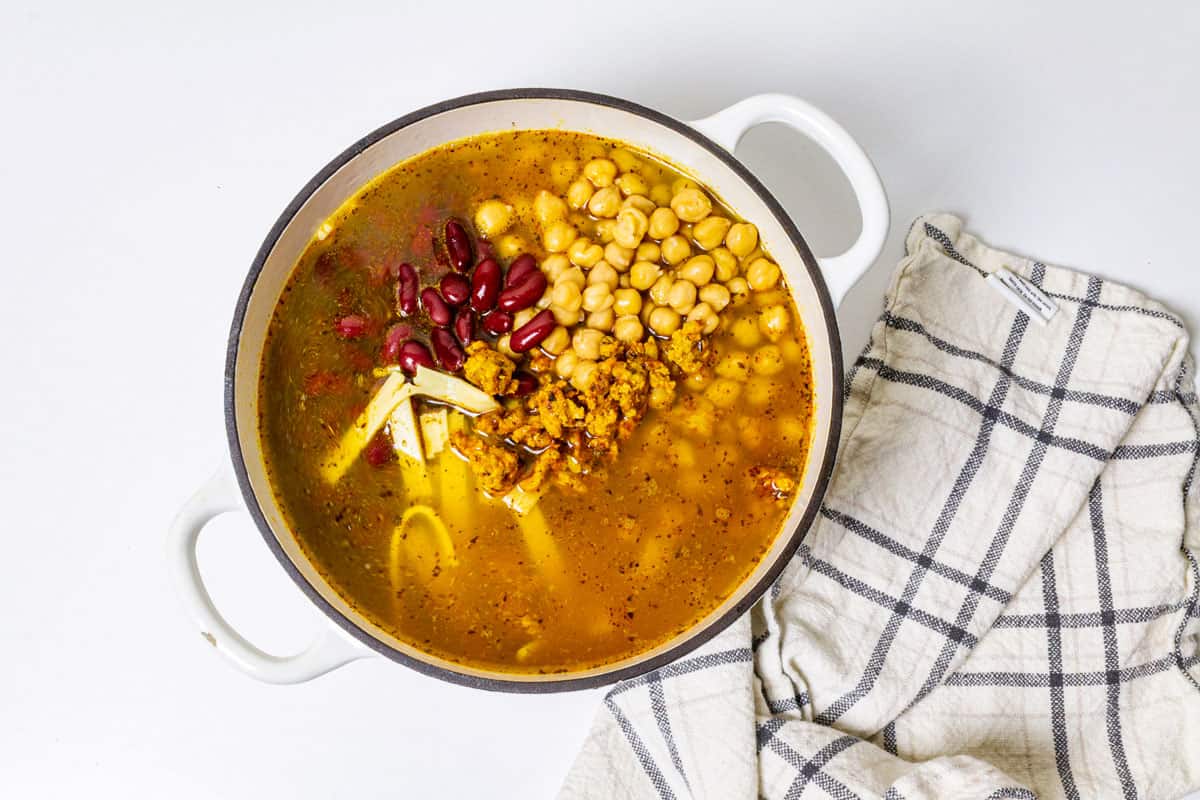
[(535, 402)]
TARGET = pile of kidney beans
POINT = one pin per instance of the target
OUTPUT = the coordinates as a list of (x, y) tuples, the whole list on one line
[(472, 295)]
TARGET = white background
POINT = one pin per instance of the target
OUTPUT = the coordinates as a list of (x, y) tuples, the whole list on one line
[(147, 150)]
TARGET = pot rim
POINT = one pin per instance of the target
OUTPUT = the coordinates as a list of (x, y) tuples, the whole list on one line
[(566, 682)]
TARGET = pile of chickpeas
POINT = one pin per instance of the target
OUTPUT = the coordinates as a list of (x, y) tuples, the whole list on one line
[(631, 260)]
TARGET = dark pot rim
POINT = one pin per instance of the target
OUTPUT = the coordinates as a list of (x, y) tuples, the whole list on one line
[(566, 682)]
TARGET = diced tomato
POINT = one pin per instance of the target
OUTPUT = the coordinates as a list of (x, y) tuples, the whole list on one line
[(352, 326), (323, 382)]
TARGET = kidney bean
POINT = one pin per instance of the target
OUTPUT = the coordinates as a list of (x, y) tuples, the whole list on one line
[(524, 294), (352, 326), (379, 450), (531, 333), (464, 326), (407, 288), (518, 269), (455, 289), (526, 383), (412, 355), (485, 285), (458, 245), (498, 322), (448, 352), (485, 249), (435, 306), (392, 340)]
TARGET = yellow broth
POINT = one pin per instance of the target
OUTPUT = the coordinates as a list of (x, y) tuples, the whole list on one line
[(667, 533)]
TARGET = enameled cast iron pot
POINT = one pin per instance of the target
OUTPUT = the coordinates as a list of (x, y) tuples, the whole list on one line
[(704, 148)]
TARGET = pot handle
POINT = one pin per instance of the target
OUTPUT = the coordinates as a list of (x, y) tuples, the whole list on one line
[(727, 127), (328, 651)]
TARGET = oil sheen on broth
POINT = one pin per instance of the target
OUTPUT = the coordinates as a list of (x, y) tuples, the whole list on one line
[(630, 555)]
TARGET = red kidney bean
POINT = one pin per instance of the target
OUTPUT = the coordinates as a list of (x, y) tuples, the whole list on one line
[(435, 306), (455, 289), (352, 326), (458, 245), (531, 333), (407, 288), (485, 285), (392, 340), (524, 294), (485, 249), (498, 322), (526, 383), (412, 355), (518, 269), (448, 352), (379, 450), (464, 326)]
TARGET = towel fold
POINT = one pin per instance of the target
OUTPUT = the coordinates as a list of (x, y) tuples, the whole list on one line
[(1000, 595)]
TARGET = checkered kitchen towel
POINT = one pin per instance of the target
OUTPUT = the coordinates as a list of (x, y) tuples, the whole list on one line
[(1000, 596)]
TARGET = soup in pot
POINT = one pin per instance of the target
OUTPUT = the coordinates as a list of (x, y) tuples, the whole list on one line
[(535, 401)]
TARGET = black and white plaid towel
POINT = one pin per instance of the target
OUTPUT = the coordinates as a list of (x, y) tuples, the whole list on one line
[(1000, 596)]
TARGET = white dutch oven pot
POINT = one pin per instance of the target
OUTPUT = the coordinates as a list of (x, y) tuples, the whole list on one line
[(703, 148)]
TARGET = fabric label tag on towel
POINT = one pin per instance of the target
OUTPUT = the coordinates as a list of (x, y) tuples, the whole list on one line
[(1024, 295)]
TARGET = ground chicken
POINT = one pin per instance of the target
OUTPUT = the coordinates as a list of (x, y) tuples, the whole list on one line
[(488, 369), (687, 349), (772, 482), (494, 465)]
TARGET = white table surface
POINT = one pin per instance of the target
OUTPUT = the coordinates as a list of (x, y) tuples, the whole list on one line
[(147, 150)]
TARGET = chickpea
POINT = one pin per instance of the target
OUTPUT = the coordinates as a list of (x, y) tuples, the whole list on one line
[(620, 257), (774, 322), (564, 365), (745, 332), (566, 296), (556, 342), (661, 290), (545, 300), (628, 328), (698, 417), (597, 297), (750, 432), (772, 297), (566, 317), (583, 374), (675, 249), (564, 171), (660, 193), (682, 296), (716, 295), (605, 203), (631, 227), (647, 310), (663, 223), (600, 171), (640, 202), (627, 301), (792, 431), (723, 392), (760, 391), (549, 208), (554, 266), (584, 253), (710, 232), (726, 263), (679, 184), (698, 270), (493, 217), (703, 313), (586, 343), (767, 360), (572, 275), (559, 236), (624, 282), (510, 246), (603, 273), (579, 193), (643, 274), (762, 275), (664, 321), (625, 160), (739, 291), (502, 344), (648, 251), (735, 365), (601, 320), (741, 239), (522, 316), (631, 183), (691, 205), (699, 380), (604, 229), (793, 351)]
